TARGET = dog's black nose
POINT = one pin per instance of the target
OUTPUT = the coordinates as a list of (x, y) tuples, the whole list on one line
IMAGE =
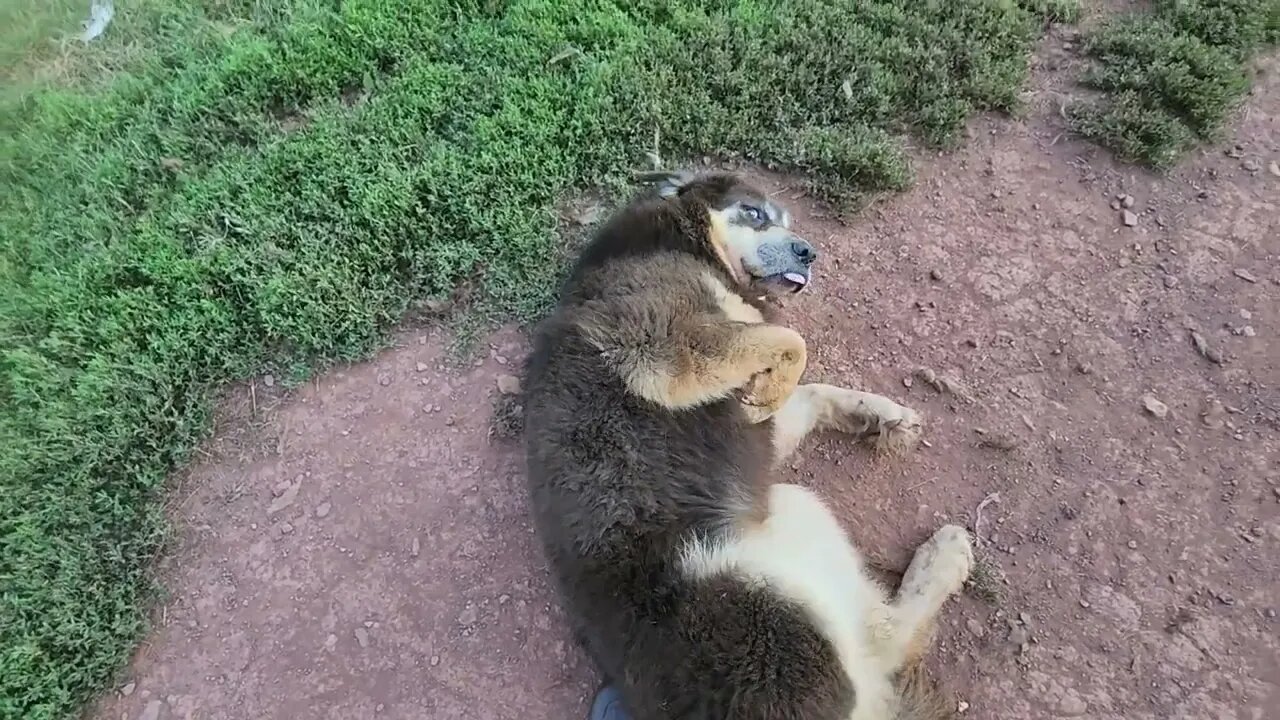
[(804, 252)]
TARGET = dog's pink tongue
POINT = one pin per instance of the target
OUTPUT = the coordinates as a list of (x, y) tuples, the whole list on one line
[(796, 278)]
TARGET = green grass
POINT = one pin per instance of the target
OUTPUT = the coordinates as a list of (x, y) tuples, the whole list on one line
[(1171, 77), (222, 188)]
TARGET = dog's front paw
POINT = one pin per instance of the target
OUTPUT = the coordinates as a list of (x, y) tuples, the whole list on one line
[(765, 392)]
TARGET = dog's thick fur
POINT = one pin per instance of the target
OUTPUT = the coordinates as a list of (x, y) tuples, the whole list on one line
[(658, 401)]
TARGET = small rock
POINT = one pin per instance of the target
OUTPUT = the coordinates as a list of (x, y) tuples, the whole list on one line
[(1072, 705), (1244, 275), (285, 499), (1126, 201), (1084, 368), (415, 548), (322, 510), (1085, 603), (1115, 204), (1248, 331), (468, 616), (1025, 618), (422, 367), (1245, 314), (962, 706), (151, 711), (362, 637), (1133, 544), (1212, 417), (1154, 406), (906, 381), (975, 628), (1129, 218), (331, 642), (936, 274), (508, 384), (1170, 281), (384, 380), (1251, 165), (1019, 636), (435, 660), (286, 529), (128, 689), (1273, 167), (268, 380), (1271, 614)]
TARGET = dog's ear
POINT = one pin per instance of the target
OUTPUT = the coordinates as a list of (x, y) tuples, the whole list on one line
[(668, 182)]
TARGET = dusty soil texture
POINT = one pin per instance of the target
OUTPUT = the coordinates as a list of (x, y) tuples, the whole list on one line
[(360, 548)]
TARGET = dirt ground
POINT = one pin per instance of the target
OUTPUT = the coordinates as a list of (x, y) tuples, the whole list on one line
[(360, 548)]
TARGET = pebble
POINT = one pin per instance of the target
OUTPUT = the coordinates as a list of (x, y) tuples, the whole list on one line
[(323, 509), (1170, 281), (975, 628), (1085, 603), (384, 380), (268, 380), (362, 637), (508, 384), (1251, 165), (422, 367), (1129, 218), (1244, 275), (468, 616), (128, 689), (1072, 704), (906, 381), (1126, 201), (415, 547), (285, 499), (936, 274), (1154, 406), (1084, 368), (435, 660), (1019, 636), (962, 706), (286, 529), (151, 711), (1133, 545), (1274, 168)]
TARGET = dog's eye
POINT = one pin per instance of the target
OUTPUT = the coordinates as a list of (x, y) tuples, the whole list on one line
[(754, 214)]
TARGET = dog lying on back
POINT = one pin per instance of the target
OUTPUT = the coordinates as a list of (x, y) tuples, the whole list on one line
[(659, 400)]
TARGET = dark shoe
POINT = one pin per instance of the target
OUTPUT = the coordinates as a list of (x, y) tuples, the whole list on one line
[(608, 705)]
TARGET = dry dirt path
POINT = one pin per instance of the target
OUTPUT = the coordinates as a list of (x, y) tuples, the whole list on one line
[(360, 548)]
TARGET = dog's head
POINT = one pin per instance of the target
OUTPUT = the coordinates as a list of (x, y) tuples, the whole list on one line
[(751, 233)]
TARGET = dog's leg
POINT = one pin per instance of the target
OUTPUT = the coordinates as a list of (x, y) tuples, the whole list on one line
[(939, 569), (890, 426), (700, 362)]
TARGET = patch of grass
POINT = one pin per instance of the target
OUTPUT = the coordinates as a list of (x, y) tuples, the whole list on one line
[(1171, 77), (220, 188)]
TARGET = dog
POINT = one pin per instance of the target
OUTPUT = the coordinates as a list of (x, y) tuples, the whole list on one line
[(660, 397)]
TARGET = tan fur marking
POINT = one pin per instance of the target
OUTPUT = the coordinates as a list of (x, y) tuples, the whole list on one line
[(731, 304), (719, 237), (707, 362)]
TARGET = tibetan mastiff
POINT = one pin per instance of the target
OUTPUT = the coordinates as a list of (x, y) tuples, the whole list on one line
[(660, 398)]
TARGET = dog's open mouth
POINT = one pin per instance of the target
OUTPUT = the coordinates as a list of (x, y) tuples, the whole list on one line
[(791, 282)]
